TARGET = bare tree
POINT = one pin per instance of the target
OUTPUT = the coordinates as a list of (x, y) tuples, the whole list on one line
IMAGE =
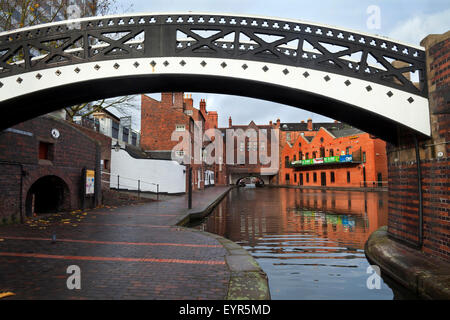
[(16, 14), (122, 104)]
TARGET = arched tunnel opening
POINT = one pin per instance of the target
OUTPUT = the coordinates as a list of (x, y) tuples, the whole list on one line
[(48, 194)]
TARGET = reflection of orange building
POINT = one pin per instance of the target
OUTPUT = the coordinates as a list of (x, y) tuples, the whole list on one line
[(346, 218), (314, 158)]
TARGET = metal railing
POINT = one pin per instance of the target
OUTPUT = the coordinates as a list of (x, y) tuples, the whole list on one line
[(136, 186), (373, 184)]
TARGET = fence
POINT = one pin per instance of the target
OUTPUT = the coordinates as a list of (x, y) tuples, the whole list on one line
[(125, 183), (373, 184)]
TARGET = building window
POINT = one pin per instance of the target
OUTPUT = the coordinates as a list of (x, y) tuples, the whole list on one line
[(288, 136), (106, 164), (307, 177), (301, 178), (180, 127), (307, 155), (315, 177), (295, 157), (348, 176), (179, 153), (300, 156), (295, 177), (300, 145), (322, 152), (364, 156), (188, 112), (133, 138), (125, 134), (321, 140), (331, 154), (347, 150), (241, 146), (45, 151), (286, 161), (314, 154), (287, 177), (332, 176), (115, 130)]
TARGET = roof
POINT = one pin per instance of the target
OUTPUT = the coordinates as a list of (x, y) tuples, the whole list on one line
[(109, 113), (298, 126), (138, 153), (345, 132)]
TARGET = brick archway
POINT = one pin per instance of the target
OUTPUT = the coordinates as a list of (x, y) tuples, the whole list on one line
[(48, 194)]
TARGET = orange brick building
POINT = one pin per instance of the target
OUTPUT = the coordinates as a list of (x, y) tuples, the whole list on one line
[(331, 155)]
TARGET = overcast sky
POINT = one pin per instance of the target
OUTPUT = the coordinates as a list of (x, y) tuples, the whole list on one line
[(406, 20)]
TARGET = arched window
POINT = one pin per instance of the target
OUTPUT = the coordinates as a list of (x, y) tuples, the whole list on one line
[(322, 152)]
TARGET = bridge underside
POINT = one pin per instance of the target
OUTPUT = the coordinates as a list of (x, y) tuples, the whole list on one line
[(235, 177), (28, 106), (364, 80)]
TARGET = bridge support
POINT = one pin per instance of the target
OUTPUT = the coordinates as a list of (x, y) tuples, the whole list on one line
[(419, 170)]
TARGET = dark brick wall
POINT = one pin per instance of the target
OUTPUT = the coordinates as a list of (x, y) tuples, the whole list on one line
[(403, 221), (105, 152), (72, 152)]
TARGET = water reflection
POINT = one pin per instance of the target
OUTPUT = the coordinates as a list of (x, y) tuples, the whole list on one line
[(309, 242)]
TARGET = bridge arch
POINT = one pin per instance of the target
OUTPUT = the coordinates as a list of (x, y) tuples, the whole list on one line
[(259, 178), (360, 79)]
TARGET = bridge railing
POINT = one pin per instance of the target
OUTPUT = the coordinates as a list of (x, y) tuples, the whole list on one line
[(283, 41)]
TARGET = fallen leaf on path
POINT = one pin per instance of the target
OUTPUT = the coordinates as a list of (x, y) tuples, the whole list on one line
[(6, 294)]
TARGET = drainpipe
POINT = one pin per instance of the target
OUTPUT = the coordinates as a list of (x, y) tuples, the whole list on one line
[(419, 186)]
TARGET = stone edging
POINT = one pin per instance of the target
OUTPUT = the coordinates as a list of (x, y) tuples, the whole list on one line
[(427, 277), (248, 281)]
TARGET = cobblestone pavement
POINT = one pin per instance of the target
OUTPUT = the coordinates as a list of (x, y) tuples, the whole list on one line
[(130, 252)]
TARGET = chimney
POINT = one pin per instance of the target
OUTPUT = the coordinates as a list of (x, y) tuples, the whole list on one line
[(230, 122), (203, 106), (310, 126), (178, 100), (167, 99), (189, 103)]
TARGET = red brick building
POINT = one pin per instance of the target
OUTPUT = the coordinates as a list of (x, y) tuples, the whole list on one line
[(230, 171), (175, 113), (42, 167), (331, 155)]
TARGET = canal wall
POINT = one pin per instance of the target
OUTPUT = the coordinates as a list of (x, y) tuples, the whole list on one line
[(419, 170), (415, 247), (427, 277)]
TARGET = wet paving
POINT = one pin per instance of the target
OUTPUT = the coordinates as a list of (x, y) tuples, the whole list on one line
[(309, 242)]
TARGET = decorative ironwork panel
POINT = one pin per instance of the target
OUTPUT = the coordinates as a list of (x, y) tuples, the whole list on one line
[(289, 43)]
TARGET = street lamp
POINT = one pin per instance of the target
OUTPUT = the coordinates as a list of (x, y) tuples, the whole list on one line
[(117, 147)]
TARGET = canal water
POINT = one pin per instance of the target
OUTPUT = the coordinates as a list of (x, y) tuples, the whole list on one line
[(310, 243)]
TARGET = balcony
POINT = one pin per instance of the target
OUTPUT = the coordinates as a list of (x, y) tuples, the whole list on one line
[(343, 160)]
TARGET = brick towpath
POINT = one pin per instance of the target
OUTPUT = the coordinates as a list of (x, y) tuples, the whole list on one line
[(129, 252)]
